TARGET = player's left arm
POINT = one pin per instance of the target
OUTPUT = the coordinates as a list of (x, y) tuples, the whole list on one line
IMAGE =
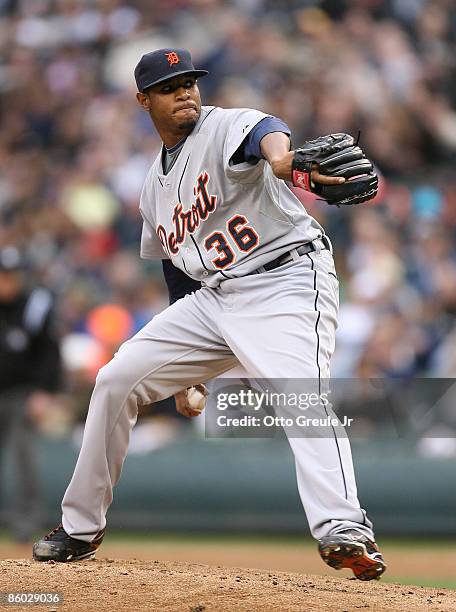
[(270, 139), (275, 148), (333, 167)]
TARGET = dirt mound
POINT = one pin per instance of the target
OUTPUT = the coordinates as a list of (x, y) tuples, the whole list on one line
[(107, 584)]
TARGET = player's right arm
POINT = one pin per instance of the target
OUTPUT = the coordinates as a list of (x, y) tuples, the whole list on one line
[(178, 283)]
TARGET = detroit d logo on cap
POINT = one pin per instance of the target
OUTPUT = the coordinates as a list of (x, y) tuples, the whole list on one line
[(172, 58)]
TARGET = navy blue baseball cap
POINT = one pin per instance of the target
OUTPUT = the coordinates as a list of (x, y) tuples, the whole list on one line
[(164, 64)]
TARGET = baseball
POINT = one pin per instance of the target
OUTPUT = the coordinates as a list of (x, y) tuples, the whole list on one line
[(196, 400)]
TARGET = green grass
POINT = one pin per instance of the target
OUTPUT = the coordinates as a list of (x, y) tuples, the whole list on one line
[(400, 543), (420, 581), (397, 543)]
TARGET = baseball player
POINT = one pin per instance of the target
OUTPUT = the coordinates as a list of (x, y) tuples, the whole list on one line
[(216, 203)]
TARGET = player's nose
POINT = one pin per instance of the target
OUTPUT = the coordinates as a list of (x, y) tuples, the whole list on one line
[(183, 93)]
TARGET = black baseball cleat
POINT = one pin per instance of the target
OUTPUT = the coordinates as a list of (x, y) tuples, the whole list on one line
[(59, 546), (353, 550)]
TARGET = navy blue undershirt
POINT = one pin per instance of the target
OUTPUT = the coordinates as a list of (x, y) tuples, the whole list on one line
[(251, 145), (179, 284)]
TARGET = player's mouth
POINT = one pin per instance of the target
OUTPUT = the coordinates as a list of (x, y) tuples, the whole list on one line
[(186, 107)]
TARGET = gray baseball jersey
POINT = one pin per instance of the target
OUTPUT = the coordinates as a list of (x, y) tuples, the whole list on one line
[(215, 220)]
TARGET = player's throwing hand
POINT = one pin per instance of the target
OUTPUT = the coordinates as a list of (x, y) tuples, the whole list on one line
[(191, 405)]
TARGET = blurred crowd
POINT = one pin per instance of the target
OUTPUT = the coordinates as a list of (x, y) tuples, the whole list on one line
[(75, 148)]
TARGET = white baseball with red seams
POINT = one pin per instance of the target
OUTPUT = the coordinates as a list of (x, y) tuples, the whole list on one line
[(221, 223), (196, 400)]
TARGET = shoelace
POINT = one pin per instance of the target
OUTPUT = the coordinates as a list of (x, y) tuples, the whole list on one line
[(55, 530)]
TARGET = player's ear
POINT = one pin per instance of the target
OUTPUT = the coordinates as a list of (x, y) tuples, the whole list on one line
[(143, 100)]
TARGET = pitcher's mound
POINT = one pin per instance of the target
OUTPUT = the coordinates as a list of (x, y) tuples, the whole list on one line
[(107, 584)]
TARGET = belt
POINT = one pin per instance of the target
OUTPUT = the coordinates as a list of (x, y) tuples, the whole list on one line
[(319, 244)]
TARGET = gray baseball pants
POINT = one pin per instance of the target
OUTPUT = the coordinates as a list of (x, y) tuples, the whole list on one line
[(278, 325)]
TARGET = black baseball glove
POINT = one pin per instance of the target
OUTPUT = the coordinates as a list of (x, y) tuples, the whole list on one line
[(336, 155)]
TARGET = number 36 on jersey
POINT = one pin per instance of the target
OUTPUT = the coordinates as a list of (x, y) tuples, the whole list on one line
[(225, 243)]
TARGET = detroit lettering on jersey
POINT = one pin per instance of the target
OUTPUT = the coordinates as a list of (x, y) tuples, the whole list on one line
[(187, 221), (215, 217)]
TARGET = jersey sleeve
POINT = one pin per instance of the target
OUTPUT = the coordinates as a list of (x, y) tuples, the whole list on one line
[(251, 146), (240, 123)]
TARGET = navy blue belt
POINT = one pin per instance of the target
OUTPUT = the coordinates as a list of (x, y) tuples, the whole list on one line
[(319, 244)]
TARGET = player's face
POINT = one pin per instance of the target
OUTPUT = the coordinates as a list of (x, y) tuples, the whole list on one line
[(174, 105)]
